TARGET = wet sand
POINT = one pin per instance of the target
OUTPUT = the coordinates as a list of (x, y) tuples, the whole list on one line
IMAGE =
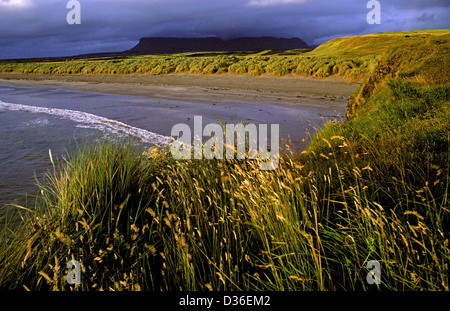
[(213, 89)]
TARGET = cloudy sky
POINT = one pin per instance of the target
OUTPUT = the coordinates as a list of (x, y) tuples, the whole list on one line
[(38, 28)]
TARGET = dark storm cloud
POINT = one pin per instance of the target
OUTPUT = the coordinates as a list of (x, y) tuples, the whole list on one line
[(425, 17), (36, 28)]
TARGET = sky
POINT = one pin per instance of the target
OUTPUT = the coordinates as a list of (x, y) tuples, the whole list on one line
[(39, 28)]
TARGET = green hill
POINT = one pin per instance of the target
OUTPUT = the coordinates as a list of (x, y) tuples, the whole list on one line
[(372, 44)]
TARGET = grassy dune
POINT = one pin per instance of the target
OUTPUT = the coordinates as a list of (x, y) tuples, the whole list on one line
[(350, 57), (254, 64), (373, 44), (372, 188)]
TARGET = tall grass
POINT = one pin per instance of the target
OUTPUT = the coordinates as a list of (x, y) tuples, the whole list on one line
[(255, 65), (149, 222)]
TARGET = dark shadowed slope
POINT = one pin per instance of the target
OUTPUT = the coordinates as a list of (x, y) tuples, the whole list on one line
[(182, 45)]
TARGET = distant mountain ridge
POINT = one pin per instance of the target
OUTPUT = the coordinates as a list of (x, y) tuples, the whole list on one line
[(161, 45)]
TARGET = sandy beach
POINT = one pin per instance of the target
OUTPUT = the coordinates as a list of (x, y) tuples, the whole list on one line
[(213, 89)]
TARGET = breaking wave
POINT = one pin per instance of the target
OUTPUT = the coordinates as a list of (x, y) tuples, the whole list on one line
[(91, 121)]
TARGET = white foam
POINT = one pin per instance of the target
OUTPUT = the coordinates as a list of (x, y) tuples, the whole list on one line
[(87, 120), (36, 123)]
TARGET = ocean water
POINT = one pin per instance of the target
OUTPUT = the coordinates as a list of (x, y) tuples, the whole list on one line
[(36, 120), (29, 133)]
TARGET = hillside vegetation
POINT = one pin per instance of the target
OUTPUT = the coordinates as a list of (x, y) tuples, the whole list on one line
[(350, 57), (372, 188), (372, 44), (200, 63)]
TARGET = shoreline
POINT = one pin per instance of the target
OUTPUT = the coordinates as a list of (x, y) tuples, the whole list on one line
[(213, 89)]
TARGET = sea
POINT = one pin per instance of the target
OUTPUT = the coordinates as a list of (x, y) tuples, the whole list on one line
[(37, 122)]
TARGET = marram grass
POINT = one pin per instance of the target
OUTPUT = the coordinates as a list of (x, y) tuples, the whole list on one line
[(255, 65), (147, 222)]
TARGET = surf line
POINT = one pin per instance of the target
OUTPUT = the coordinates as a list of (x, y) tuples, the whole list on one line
[(89, 120)]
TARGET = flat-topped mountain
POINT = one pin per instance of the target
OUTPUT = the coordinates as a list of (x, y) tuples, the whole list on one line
[(159, 45)]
